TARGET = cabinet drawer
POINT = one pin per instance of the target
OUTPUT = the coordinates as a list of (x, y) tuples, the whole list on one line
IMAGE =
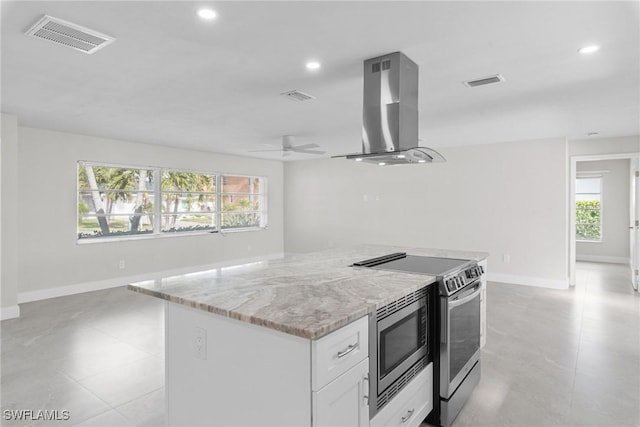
[(335, 354), (409, 407)]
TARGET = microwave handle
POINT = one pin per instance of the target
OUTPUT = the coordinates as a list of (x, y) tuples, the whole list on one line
[(457, 302)]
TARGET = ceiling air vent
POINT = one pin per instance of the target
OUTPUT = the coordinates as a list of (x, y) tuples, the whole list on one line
[(484, 81), (298, 96), (68, 34)]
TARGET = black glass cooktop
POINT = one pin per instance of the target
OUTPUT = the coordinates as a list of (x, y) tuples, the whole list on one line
[(433, 266)]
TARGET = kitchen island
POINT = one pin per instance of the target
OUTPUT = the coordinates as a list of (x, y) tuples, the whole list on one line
[(258, 344)]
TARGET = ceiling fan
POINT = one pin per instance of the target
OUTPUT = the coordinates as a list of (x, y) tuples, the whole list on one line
[(288, 147)]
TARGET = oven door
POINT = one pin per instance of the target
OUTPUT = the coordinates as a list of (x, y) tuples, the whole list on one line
[(459, 337), (402, 341)]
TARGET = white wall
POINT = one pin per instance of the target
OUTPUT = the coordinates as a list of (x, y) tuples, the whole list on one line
[(51, 261), (614, 246), (8, 214), (623, 144), (506, 198)]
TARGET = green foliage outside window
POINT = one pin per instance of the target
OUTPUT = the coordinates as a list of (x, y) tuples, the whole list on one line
[(241, 215), (588, 220)]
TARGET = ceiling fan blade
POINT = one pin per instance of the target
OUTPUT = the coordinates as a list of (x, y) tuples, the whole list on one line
[(260, 151), (304, 147), (310, 151)]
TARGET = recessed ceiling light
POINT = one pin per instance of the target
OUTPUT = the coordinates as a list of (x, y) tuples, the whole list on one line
[(358, 159), (592, 134), (313, 65), (381, 164), (208, 14), (589, 49), (422, 161), (400, 156)]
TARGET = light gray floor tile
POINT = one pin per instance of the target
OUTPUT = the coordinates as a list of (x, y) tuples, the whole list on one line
[(52, 392), (110, 418), (144, 412), (128, 381), (82, 364)]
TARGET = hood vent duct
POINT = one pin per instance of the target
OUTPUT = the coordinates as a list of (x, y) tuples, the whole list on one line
[(390, 113)]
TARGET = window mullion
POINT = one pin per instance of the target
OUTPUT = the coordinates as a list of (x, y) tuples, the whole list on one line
[(157, 206), (219, 202)]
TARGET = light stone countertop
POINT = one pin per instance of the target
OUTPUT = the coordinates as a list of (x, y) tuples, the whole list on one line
[(308, 295)]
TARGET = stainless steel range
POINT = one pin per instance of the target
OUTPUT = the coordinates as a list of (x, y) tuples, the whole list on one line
[(456, 330)]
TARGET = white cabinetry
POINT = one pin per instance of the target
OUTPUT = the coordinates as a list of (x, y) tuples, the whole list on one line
[(251, 375), (344, 401), (336, 353), (340, 371), (409, 407), (483, 304)]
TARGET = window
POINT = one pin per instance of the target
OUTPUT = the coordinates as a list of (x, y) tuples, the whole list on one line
[(589, 209), (242, 202), (114, 201), (118, 201), (188, 201)]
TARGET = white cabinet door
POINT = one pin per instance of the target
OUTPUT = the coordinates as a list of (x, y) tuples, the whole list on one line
[(344, 401)]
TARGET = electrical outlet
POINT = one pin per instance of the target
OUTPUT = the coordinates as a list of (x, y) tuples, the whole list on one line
[(200, 343), (122, 264), (506, 258)]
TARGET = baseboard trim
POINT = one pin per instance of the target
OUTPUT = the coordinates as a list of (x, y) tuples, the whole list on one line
[(61, 291), (539, 282), (10, 312), (601, 258)]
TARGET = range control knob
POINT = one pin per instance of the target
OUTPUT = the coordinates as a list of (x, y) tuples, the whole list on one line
[(450, 285)]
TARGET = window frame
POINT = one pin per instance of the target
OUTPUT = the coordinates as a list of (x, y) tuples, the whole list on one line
[(156, 176), (600, 178)]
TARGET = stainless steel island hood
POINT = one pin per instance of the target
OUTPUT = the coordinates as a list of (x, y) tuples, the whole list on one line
[(390, 113)]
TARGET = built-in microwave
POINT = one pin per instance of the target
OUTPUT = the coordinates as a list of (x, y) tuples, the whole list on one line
[(399, 346)]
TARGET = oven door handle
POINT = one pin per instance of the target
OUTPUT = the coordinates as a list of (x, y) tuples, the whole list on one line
[(459, 301)]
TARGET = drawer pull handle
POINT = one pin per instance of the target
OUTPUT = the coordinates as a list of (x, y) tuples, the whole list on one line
[(366, 390), (349, 349), (406, 417)]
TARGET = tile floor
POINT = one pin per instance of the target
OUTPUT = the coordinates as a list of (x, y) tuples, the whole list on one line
[(553, 358), (561, 358), (99, 355)]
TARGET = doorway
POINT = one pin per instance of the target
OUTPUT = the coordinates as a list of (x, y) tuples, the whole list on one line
[(595, 240)]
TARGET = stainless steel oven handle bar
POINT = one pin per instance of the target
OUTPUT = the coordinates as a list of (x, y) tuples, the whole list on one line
[(459, 301), (452, 303)]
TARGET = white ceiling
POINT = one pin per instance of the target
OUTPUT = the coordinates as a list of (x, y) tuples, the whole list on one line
[(172, 79)]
